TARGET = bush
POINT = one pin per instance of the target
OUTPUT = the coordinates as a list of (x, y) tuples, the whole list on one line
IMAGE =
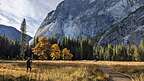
[(55, 52), (66, 55)]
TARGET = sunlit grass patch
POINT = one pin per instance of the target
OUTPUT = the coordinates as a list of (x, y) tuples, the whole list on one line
[(138, 77), (51, 72)]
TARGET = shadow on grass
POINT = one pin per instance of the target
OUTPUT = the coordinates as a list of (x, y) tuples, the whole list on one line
[(12, 78), (21, 78)]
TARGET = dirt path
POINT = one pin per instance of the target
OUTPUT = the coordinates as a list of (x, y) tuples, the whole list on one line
[(115, 76), (119, 77)]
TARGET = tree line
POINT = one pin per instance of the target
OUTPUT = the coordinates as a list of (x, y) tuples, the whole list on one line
[(131, 52), (70, 49), (86, 50), (9, 49), (80, 49)]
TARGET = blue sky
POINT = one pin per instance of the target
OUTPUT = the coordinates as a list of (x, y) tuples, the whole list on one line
[(12, 12)]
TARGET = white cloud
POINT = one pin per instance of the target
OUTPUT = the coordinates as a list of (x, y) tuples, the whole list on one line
[(13, 11)]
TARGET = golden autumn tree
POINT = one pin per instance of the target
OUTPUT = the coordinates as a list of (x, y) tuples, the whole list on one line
[(55, 52), (42, 49), (66, 55)]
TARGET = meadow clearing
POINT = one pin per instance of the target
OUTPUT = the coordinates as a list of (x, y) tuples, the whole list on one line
[(72, 71)]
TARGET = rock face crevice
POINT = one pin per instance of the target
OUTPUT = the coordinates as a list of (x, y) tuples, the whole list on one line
[(87, 18)]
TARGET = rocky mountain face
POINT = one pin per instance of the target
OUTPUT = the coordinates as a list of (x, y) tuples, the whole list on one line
[(129, 30), (94, 19), (11, 33)]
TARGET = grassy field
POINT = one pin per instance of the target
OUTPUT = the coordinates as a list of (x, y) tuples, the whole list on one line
[(50, 71), (69, 70)]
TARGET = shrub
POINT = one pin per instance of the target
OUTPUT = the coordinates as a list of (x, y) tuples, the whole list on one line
[(66, 55), (55, 52)]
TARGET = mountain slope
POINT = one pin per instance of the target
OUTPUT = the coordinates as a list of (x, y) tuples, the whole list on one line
[(11, 33), (129, 30), (86, 18)]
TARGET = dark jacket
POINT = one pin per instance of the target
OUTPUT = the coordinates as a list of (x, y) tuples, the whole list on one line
[(29, 63)]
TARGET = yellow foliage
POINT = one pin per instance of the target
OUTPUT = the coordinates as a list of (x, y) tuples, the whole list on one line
[(66, 54), (55, 52), (42, 48)]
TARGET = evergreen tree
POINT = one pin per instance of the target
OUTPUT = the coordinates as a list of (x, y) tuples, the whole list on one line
[(141, 48), (118, 52), (110, 52), (97, 52), (101, 53), (23, 39), (114, 52), (136, 53), (141, 44), (124, 55), (8, 49)]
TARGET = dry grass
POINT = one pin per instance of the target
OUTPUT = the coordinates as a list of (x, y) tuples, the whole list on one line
[(68, 70), (43, 71), (138, 77)]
